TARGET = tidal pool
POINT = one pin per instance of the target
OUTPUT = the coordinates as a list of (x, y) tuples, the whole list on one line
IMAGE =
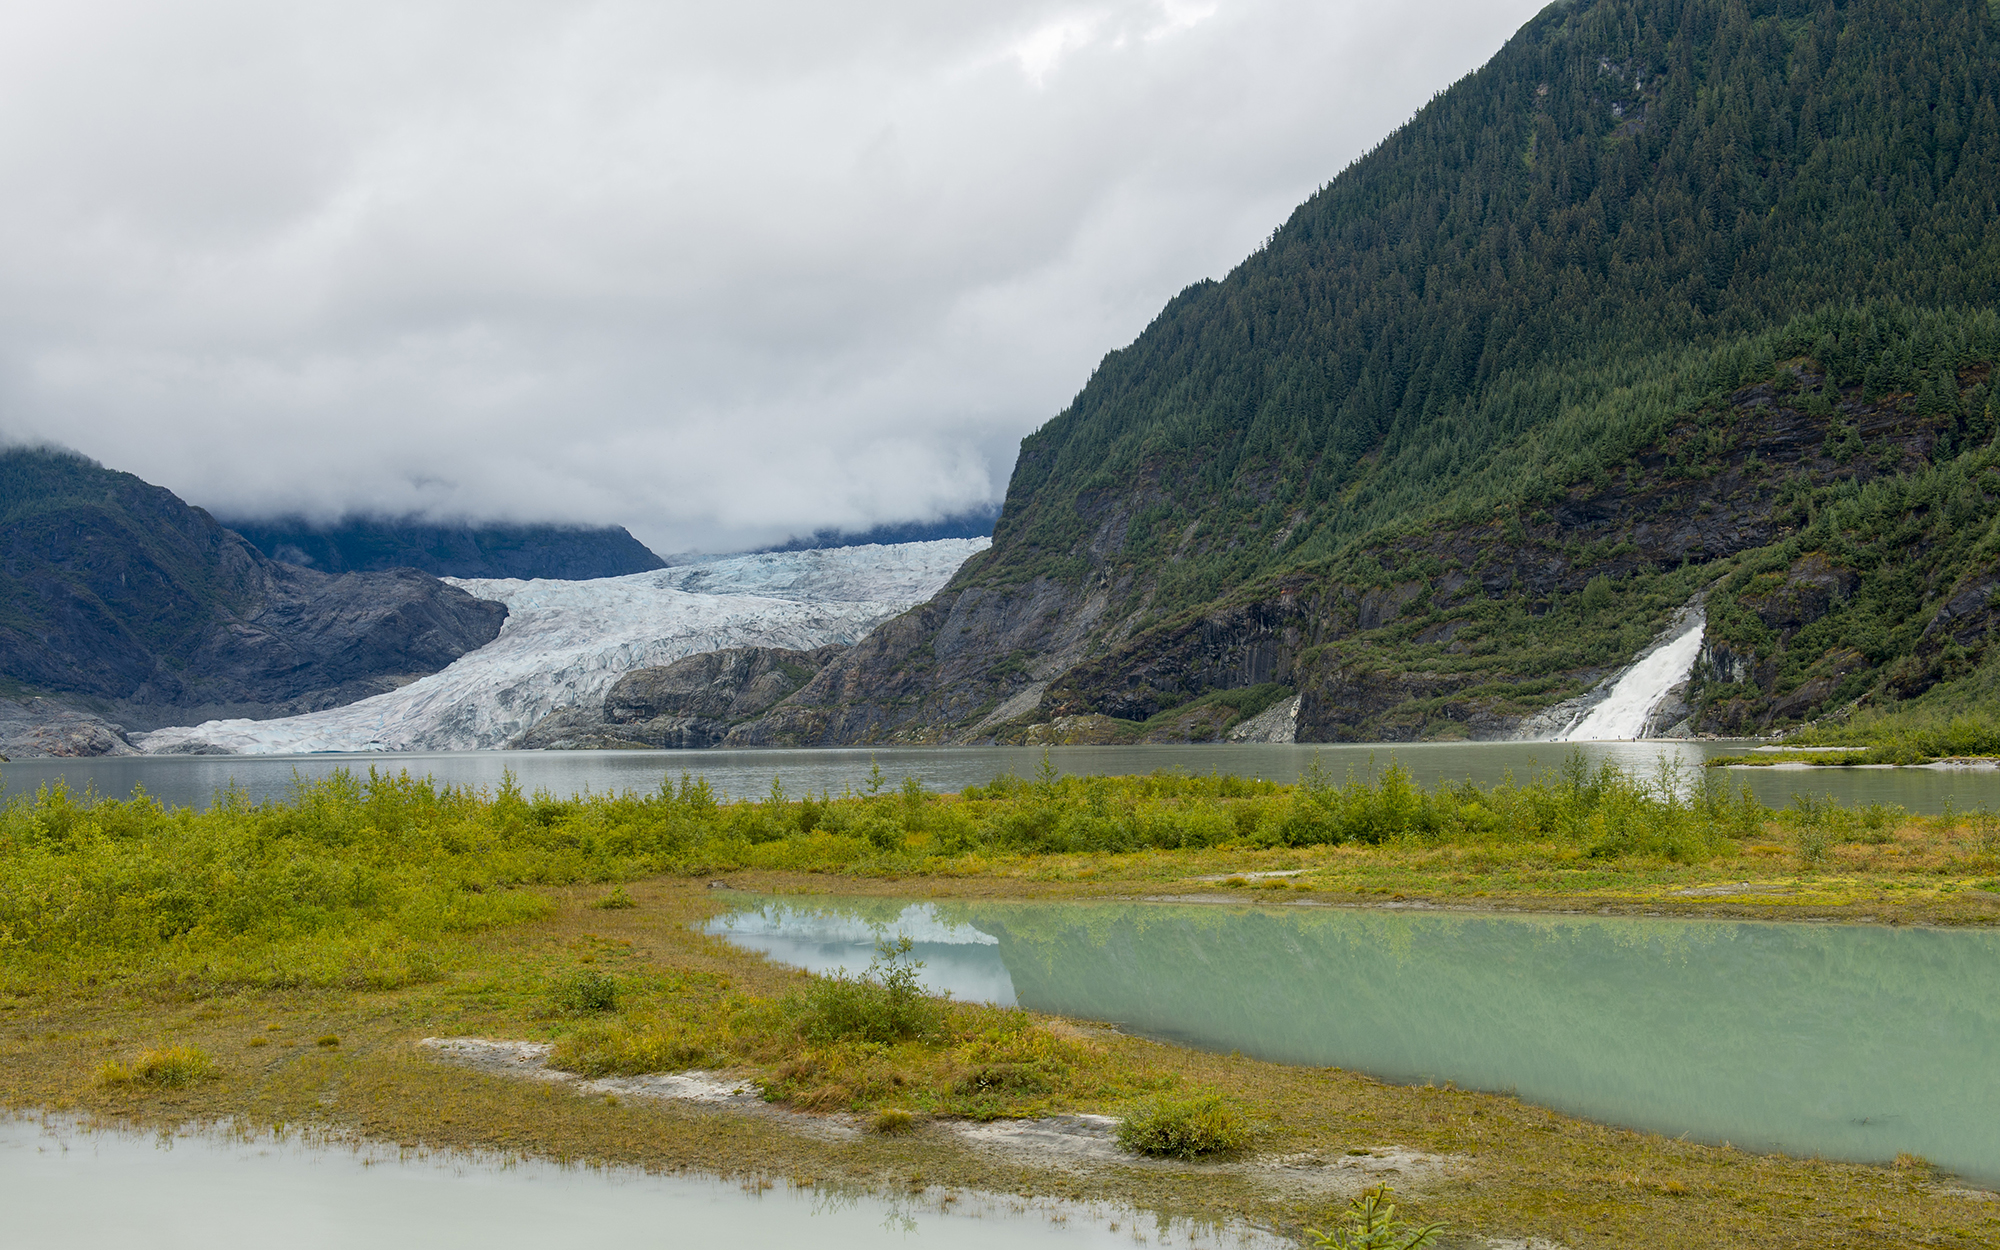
[(63, 1186), (1848, 1041)]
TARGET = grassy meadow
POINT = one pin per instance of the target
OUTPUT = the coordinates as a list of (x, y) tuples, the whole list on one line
[(274, 964)]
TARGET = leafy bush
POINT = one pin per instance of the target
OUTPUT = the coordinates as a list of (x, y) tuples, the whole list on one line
[(1815, 817), (582, 993), (884, 1004), (617, 900), (1185, 1128)]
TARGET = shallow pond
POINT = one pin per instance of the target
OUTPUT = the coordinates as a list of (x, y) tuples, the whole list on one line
[(193, 780), (1849, 1041), (63, 1187)]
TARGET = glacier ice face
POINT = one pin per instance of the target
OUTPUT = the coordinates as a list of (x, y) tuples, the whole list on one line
[(565, 643)]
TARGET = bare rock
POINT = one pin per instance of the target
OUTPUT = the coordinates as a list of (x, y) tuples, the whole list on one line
[(43, 727)]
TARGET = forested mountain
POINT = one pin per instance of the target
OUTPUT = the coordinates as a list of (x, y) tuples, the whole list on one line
[(976, 523), (376, 544), (1670, 297), (116, 594)]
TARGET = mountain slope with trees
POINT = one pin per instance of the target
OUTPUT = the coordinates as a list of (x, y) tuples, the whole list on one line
[(1528, 331), (118, 597), (362, 544)]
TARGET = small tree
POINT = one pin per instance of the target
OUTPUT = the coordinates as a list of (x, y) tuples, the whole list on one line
[(1372, 1224)]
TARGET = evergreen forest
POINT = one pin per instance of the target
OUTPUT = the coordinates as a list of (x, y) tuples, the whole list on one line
[(1657, 260)]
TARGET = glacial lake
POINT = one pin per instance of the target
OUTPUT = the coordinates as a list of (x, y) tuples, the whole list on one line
[(193, 780), (1847, 1041), (63, 1186)]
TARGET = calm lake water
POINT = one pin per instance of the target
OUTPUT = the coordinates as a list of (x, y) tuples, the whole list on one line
[(193, 780), (63, 1187), (1849, 1041)]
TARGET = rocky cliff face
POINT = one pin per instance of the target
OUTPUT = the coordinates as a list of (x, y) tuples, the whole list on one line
[(42, 727), (1421, 648), (116, 592), (690, 703)]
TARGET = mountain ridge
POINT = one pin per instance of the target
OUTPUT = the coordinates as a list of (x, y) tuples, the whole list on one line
[(367, 544), (1606, 231), (120, 598)]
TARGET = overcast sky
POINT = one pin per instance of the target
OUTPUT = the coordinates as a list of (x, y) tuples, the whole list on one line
[(717, 272)]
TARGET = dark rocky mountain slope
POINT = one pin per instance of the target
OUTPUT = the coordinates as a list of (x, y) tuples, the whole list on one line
[(371, 545), (693, 702), (117, 597), (1485, 411)]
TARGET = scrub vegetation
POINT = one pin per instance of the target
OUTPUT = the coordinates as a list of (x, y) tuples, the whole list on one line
[(274, 964)]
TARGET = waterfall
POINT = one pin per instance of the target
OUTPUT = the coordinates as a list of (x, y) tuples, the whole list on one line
[(1625, 709)]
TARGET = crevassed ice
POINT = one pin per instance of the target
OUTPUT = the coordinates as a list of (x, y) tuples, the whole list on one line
[(565, 643)]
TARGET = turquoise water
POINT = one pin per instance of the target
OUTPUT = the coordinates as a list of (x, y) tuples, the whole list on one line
[(193, 780), (1849, 1041), (60, 1186)]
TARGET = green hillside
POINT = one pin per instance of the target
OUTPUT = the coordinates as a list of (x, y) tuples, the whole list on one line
[(1498, 339)]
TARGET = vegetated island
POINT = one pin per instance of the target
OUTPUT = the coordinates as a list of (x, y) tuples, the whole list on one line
[(1916, 737), (282, 965)]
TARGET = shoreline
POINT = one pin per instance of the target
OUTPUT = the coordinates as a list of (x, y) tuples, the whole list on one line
[(1514, 1170)]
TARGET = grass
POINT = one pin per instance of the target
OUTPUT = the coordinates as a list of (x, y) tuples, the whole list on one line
[(304, 947), (170, 1067)]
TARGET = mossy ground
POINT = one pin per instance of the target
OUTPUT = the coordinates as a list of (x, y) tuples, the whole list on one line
[(1528, 1171)]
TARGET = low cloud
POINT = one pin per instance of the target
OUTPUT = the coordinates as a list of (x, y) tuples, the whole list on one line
[(718, 273)]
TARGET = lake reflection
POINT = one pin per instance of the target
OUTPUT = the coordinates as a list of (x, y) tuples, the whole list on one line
[(1850, 1041), (60, 1186), (193, 780)]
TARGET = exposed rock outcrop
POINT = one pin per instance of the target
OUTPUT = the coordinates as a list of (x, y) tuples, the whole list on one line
[(690, 703), (43, 727)]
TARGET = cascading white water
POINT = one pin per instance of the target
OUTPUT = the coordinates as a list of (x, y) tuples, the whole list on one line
[(1623, 712)]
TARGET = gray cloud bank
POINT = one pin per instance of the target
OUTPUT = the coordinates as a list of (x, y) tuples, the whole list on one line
[(719, 273)]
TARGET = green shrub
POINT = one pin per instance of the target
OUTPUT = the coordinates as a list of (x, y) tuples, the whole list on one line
[(1185, 1128), (617, 900), (882, 833), (1815, 817), (884, 1004), (582, 993)]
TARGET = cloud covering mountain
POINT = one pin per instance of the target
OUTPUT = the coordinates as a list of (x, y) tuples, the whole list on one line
[(722, 274)]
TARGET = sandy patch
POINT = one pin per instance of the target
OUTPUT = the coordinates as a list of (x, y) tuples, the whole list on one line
[(1738, 889), (1346, 1175), (1065, 1142), (529, 1061), (1252, 876), (1056, 1139)]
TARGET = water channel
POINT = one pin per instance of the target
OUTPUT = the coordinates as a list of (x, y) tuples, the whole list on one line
[(62, 1186), (1848, 1041), (193, 780)]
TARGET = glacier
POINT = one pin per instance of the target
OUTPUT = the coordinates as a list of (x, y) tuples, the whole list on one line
[(564, 644)]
